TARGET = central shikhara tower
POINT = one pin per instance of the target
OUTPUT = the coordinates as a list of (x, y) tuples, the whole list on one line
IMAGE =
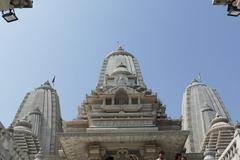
[(121, 117)]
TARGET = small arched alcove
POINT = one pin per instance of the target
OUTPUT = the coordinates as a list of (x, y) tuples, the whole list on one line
[(121, 97)]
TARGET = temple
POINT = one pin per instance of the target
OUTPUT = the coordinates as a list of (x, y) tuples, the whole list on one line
[(121, 117)]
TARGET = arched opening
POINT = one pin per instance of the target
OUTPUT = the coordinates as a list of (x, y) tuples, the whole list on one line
[(121, 97)]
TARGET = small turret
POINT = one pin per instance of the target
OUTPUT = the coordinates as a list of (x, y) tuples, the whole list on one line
[(25, 140), (218, 137)]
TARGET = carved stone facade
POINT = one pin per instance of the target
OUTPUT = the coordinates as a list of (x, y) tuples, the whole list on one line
[(121, 118)]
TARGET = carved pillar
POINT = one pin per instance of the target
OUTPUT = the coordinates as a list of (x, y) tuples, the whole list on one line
[(113, 100), (94, 152), (129, 100), (139, 100), (104, 101)]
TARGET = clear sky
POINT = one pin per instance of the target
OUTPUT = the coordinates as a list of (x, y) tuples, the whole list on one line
[(172, 40)]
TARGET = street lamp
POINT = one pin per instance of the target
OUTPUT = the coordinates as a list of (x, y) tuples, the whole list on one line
[(9, 16)]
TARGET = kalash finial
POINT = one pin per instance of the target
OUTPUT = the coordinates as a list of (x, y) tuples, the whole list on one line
[(199, 77), (120, 47)]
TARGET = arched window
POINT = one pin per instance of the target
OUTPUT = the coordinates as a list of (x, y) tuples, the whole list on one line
[(121, 97)]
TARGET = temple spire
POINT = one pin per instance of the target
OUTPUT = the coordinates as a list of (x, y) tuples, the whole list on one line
[(200, 106), (120, 62), (42, 107)]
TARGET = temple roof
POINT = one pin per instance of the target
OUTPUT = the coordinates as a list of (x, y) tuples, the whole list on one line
[(120, 61), (42, 107), (46, 85), (199, 107), (120, 51)]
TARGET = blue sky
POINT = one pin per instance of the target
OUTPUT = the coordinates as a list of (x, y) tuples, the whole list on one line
[(172, 40)]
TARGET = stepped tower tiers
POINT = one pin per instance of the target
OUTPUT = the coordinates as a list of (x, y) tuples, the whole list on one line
[(218, 138), (122, 117), (199, 106), (42, 108), (25, 140), (18, 142), (8, 149)]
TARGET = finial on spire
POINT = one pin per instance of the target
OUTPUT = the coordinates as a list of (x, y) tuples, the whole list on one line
[(47, 83), (199, 77), (120, 47)]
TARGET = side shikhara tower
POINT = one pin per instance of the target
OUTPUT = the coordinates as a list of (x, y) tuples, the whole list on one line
[(41, 107), (199, 106)]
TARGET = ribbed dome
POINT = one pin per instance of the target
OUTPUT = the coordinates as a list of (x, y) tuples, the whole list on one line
[(199, 107), (117, 62), (120, 51), (23, 125), (219, 121), (219, 136)]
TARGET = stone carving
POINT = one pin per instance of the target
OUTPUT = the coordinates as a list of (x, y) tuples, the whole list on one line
[(123, 116)]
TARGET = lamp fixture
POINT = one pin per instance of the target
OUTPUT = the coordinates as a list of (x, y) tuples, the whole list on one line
[(9, 16)]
